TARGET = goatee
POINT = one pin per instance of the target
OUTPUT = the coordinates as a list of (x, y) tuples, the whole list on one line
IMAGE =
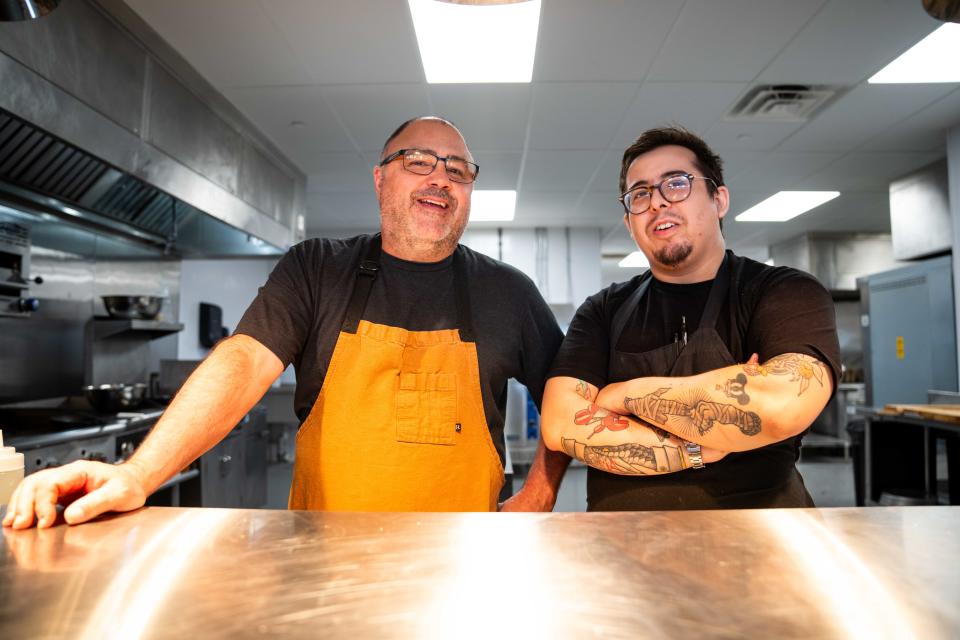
[(673, 255)]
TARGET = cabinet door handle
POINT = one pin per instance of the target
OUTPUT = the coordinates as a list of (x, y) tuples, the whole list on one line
[(225, 465)]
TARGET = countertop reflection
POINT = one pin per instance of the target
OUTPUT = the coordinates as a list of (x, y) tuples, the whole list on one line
[(208, 573)]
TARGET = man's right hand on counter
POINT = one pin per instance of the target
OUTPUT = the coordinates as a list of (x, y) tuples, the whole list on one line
[(87, 489)]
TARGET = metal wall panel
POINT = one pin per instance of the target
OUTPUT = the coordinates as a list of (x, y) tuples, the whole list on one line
[(188, 130), (910, 332), (920, 213), (80, 50), (265, 186)]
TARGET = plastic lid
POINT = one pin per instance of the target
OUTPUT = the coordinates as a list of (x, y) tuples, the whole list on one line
[(10, 460)]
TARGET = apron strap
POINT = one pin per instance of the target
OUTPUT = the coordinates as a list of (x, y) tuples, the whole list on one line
[(718, 295), (362, 286), (627, 309), (462, 286)]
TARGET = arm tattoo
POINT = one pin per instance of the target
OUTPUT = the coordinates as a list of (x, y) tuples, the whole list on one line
[(736, 388), (583, 390), (593, 414), (626, 459), (702, 414), (798, 367)]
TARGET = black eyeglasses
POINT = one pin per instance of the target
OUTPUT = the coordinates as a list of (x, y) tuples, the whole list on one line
[(674, 189), (424, 162)]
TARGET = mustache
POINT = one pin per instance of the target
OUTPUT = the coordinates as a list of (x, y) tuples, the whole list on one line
[(436, 194)]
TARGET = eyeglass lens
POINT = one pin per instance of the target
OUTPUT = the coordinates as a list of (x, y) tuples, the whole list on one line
[(673, 189), (424, 162)]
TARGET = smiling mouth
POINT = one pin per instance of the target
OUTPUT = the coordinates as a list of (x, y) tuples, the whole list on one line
[(663, 226), (434, 203)]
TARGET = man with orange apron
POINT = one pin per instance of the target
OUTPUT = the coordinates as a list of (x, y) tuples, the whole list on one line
[(649, 387), (403, 343)]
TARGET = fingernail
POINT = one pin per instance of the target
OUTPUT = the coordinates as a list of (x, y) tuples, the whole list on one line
[(19, 520)]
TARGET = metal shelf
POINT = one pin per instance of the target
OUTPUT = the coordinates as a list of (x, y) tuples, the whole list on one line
[(152, 329)]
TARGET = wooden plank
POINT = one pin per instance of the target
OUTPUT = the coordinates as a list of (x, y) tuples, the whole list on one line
[(941, 412)]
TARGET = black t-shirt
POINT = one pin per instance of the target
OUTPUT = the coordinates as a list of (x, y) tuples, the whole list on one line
[(299, 311), (777, 310)]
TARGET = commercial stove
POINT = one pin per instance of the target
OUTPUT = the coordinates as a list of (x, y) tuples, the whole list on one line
[(232, 474), (52, 437)]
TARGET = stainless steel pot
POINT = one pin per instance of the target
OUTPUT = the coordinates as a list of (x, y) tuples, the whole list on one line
[(111, 398), (133, 307)]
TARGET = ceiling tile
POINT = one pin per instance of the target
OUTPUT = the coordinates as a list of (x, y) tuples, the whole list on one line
[(578, 115), (490, 116), (693, 105), (729, 41), (339, 172), (925, 130), (371, 113), (780, 171), (559, 170), (868, 170), (840, 46), (498, 169), (601, 40), (356, 42), (273, 109), (868, 110), (748, 136), (230, 42), (546, 208)]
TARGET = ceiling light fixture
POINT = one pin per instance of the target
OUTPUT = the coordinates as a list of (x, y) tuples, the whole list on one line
[(466, 43), (493, 206), (635, 260), (786, 205), (926, 61)]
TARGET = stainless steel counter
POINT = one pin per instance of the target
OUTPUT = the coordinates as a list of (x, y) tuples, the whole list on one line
[(208, 573)]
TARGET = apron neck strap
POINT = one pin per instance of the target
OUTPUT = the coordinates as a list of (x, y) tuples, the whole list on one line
[(462, 286), (718, 295), (367, 273)]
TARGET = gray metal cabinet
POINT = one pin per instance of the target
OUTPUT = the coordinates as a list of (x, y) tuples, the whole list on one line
[(222, 472)]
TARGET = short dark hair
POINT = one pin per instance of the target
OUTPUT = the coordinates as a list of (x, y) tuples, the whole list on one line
[(707, 162), (409, 122)]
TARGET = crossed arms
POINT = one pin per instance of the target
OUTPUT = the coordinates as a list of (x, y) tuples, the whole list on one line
[(638, 427)]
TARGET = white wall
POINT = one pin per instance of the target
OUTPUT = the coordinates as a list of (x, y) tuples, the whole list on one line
[(230, 284)]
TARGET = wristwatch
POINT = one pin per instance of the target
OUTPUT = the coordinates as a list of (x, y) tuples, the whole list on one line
[(694, 455)]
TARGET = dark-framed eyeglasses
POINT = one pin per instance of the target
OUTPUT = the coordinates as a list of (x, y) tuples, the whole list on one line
[(424, 162), (673, 189)]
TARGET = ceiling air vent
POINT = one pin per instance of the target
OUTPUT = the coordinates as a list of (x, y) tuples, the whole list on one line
[(781, 103)]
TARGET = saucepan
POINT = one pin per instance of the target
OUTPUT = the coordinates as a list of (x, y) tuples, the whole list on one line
[(111, 398), (133, 307)]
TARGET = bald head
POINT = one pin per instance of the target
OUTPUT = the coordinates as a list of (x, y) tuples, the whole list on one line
[(402, 128)]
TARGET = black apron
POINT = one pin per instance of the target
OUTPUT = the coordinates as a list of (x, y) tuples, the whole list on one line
[(764, 477)]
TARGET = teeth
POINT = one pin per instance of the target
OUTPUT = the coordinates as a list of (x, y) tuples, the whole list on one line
[(434, 202), (664, 225)]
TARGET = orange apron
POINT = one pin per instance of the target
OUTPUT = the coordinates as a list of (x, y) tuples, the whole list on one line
[(399, 423)]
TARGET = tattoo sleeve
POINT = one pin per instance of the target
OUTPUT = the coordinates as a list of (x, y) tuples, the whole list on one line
[(701, 414), (627, 459), (583, 390), (799, 367)]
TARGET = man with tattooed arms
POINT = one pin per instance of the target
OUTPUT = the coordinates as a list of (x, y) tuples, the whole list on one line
[(647, 389)]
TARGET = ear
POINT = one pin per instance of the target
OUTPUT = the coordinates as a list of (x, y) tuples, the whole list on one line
[(722, 198), (377, 180)]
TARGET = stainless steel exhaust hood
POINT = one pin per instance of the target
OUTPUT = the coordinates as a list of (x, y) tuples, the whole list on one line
[(125, 140), (49, 180)]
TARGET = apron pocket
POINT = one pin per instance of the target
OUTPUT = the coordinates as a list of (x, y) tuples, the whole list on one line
[(427, 408)]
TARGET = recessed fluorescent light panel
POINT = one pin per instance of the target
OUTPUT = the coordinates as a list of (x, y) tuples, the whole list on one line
[(927, 61), (786, 205), (493, 206), (461, 43), (635, 260)]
